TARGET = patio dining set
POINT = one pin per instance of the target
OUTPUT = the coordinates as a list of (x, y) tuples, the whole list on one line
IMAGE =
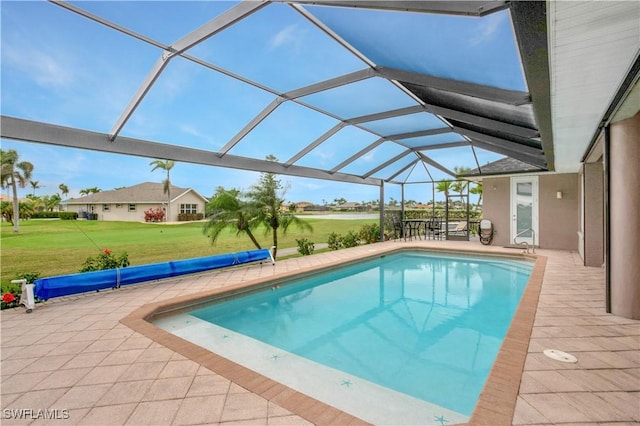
[(434, 228)]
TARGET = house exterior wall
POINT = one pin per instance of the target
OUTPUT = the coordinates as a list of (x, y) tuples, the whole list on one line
[(558, 219), (593, 230), (495, 207), (624, 217), (188, 198), (122, 212), (116, 212)]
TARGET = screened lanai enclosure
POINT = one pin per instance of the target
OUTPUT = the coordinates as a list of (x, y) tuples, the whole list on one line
[(382, 93)]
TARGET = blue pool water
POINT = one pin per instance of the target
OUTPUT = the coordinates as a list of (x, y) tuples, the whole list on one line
[(424, 325)]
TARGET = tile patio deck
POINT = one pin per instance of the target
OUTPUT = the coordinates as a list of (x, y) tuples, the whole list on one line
[(74, 355)]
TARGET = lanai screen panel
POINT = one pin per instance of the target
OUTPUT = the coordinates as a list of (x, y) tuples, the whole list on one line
[(432, 140), (45, 80), (370, 96), (191, 106), (284, 132), (278, 48), (166, 22), (312, 85), (477, 50), (452, 158), (374, 158), (338, 148), (405, 123)]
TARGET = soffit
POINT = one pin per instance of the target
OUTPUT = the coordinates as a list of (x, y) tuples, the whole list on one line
[(592, 48)]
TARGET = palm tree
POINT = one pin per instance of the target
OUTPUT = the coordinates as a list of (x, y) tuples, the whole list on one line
[(477, 190), (36, 202), (14, 173), (25, 210), (268, 196), (35, 184), (52, 201), (64, 189), (87, 191), (165, 165), (444, 186), (227, 210)]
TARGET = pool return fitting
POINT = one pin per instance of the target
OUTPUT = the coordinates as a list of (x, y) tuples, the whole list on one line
[(26, 298)]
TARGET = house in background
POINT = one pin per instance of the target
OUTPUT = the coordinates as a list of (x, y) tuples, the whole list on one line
[(129, 204)]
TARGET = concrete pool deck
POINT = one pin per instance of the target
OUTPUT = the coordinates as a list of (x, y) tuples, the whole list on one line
[(75, 356)]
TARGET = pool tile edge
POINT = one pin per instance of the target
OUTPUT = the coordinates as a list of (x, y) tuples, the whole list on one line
[(497, 401)]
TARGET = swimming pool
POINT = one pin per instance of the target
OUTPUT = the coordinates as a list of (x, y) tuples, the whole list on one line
[(404, 338)]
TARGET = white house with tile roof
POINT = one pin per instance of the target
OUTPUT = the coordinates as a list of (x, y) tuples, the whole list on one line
[(129, 204)]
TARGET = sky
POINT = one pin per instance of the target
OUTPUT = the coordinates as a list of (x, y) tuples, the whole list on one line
[(59, 68)]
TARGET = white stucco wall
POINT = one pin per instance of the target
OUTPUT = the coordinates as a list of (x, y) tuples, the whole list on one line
[(122, 212), (187, 198)]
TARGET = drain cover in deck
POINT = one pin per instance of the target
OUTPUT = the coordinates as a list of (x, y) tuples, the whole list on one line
[(559, 355)]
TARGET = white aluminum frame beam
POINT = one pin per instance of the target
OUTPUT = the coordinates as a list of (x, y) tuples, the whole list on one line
[(388, 163), (385, 114), (451, 7), (335, 129), (443, 145), (357, 155), (411, 164), (490, 93), (31, 131), (534, 160), (488, 123), (434, 163), (251, 125), (525, 149), (332, 83), (530, 26), (419, 133)]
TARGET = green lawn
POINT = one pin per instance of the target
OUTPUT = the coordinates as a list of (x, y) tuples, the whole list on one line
[(54, 247)]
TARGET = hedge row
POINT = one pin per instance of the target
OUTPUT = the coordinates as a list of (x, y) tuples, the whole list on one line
[(55, 215), (186, 217)]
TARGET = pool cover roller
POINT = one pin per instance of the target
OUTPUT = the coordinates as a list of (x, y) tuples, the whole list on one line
[(64, 285)]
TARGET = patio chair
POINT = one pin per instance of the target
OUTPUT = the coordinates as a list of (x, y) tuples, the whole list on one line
[(485, 232), (460, 229), (434, 228), (398, 229)]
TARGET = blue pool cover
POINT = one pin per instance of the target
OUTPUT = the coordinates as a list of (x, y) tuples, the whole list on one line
[(64, 285)]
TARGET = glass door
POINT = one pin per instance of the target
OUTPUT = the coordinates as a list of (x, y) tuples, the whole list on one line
[(524, 209)]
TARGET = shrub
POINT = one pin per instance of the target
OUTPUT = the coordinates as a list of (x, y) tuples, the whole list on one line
[(154, 215), (45, 215), (335, 241), (187, 217), (10, 299), (370, 233), (305, 247), (105, 260), (352, 239), (68, 215), (55, 215)]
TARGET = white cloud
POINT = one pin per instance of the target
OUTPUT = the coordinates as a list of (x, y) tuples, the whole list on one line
[(44, 68), (288, 36), (490, 24), (192, 130), (369, 157)]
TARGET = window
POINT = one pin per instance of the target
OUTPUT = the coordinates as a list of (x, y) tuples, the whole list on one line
[(188, 208), (106, 207), (132, 207)]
